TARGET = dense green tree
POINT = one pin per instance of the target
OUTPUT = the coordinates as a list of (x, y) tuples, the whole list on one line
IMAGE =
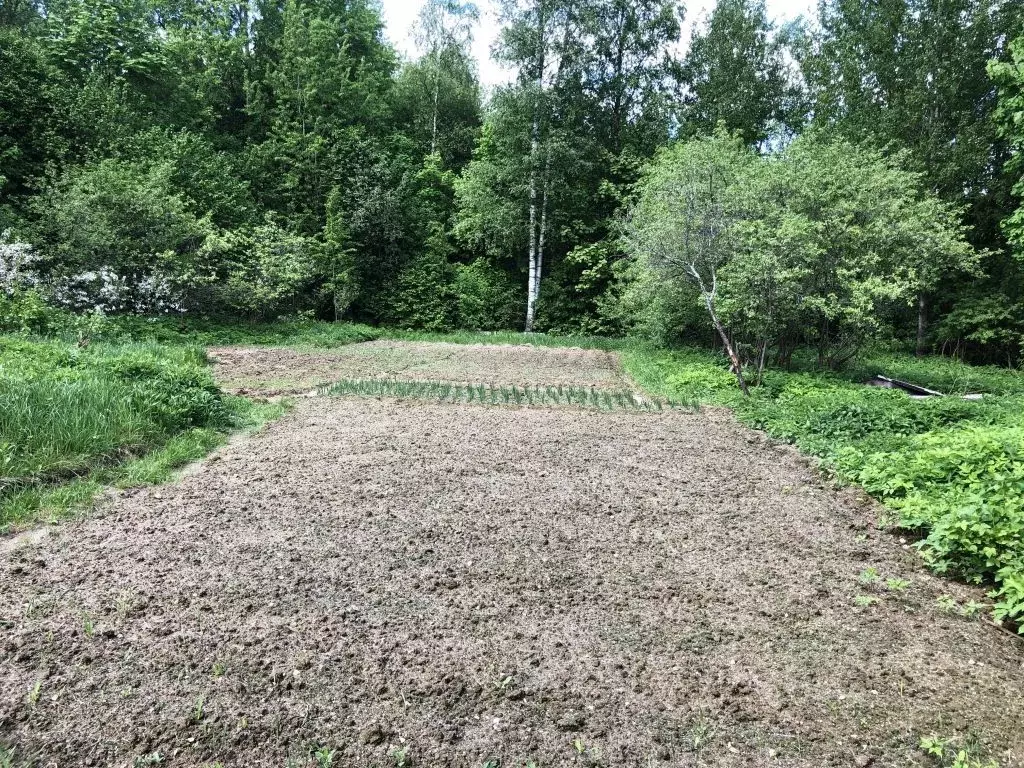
[(28, 116), (819, 244), (830, 242), (1009, 77), (735, 74), (909, 75), (448, 91)]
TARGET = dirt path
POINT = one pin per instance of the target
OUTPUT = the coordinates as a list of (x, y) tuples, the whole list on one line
[(473, 583)]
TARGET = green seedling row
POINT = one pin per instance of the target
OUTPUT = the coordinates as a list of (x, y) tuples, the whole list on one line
[(489, 394)]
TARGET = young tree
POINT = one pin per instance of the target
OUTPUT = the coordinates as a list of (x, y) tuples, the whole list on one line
[(683, 218), (831, 240)]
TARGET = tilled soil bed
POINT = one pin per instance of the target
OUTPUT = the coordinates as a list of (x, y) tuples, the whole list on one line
[(444, 585), (281, 370)]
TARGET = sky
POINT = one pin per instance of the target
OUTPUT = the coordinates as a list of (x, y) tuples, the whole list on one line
[(399, 16)]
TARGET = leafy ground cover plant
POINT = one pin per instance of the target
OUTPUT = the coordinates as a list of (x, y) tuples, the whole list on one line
[(952, 470)]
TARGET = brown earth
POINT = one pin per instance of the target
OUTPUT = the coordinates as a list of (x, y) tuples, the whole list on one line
[(277, 370), (474, 583)]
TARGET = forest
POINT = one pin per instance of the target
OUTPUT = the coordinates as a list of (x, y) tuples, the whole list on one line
[(264, 159)]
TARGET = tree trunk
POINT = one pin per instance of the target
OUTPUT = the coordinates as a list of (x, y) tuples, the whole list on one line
[(922, 323), (730, 350), (543, 229), (533, 279), (437, 97)]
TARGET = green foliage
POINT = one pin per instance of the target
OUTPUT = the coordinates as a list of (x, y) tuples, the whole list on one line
[(487, 300), (187, 330), (1009, 77), (736, 75), (26, 311), (64, 409), (954, 753), (821, 244), (832, 240), (991, 322), (125, 217), (269, 271)]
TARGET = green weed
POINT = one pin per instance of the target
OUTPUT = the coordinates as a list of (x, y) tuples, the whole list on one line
[(324, 757), (868, 576), (897, 585), (947, 754), (401, 756)]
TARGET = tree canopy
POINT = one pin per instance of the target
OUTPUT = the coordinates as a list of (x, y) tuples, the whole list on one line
[(284, 145)]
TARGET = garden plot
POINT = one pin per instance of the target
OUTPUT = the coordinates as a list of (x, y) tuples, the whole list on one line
[(278, 370), (373, 582)]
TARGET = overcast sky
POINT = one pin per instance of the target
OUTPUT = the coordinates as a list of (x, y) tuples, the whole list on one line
[(399, 16)]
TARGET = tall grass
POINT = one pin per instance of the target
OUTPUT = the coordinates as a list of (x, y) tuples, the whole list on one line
[(64, 410), (49, 425)]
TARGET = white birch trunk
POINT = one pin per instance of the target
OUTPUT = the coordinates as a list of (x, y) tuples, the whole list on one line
[(543, 227), (536, 242), (532, 280), (437, 96)]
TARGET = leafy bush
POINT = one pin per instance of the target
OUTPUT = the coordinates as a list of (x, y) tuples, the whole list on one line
[(423, 296), (487, 299), (268, 270), (117, 235)]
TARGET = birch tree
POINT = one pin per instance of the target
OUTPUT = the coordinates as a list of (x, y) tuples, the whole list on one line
[(443, 26), (529, 42)]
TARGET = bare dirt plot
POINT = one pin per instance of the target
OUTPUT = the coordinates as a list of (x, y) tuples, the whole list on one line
[(275, 370), (469, 583)]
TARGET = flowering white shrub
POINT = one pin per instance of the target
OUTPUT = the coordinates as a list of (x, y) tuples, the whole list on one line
[(102, 290), (109, 292), (16, 261)]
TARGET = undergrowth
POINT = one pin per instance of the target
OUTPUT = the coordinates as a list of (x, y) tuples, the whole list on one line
[(951, 469)]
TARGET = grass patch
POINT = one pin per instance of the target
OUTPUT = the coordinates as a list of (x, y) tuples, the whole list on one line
[(318, 333), (73, 420), (64, 410), (510, 337), (50, 502), (952, 470), (206, 333)]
